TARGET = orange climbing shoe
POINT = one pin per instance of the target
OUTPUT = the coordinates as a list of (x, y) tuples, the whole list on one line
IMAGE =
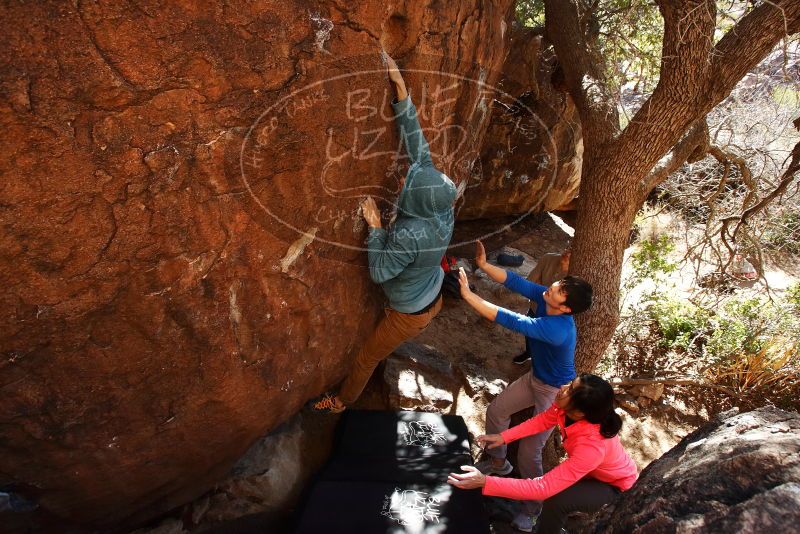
[(329, 404)]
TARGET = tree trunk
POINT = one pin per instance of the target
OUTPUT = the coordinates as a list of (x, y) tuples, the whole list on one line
[(605, 217)]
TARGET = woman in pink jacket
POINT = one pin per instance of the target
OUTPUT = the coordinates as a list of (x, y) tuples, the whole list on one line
[(597, 470)]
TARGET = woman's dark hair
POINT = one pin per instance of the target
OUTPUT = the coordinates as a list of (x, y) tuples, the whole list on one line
[(595, 398)]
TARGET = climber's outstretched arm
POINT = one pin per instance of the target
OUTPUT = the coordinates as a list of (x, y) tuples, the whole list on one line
[(396, 78), (405, 115)]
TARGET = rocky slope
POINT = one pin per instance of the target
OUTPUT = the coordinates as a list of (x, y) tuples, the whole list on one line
[(739, 473)]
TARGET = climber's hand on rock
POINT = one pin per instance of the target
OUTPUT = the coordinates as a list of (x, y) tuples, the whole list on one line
[(397, 79), (371, 213), (393, 70), (470, 478), (490, 441)]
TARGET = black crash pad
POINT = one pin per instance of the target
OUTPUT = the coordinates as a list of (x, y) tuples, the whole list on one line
[(385, 507), (423, 469), (373, 434)]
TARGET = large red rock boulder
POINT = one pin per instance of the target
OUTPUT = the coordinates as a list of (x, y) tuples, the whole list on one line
[(181, 256), (533, 150)]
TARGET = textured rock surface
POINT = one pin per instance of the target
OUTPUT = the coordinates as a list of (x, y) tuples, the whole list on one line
[(532, 154), (420, 378), (740, 473), (268, 476), (268, 479), (158, 317)]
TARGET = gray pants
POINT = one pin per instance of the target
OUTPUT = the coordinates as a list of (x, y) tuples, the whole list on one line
[(587, 495), (524, 392)]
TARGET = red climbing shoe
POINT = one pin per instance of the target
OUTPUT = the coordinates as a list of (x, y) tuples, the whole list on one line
[(329, 404)]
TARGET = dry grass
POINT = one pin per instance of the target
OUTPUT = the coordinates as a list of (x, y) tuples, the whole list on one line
[(771, 373)]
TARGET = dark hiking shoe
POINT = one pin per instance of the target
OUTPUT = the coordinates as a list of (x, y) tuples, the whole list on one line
[(521, 358), (523, 522)]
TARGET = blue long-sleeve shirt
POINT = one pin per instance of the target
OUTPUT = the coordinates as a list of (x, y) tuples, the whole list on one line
[(551, 338)]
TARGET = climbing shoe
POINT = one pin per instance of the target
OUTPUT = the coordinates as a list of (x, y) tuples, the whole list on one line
[(521, 358), (523, 522), (329, 404)]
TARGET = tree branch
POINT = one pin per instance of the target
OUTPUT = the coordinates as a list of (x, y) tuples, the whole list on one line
[(693, 145), (747, 43), (688, 40), (584, 72), (786, 179), (695, 76), (671, 110)]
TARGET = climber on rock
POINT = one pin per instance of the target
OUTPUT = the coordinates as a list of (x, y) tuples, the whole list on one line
[(596, 471), (550, 337), (405, 259)]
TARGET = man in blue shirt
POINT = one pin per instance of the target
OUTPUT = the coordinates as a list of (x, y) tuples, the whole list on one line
[(550, 338)]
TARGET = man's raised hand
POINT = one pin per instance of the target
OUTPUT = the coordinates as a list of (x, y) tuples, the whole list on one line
[(480, 255), (396, 78), (498, 274)]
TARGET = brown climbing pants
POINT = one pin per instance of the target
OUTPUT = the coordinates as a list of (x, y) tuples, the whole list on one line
[(394, 329)]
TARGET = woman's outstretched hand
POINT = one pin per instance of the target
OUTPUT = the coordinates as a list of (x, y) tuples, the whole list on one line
[(471, 478), (490, 441), (463, 281)]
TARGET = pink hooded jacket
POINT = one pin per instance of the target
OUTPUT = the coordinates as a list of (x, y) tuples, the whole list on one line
[(590, 455)]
